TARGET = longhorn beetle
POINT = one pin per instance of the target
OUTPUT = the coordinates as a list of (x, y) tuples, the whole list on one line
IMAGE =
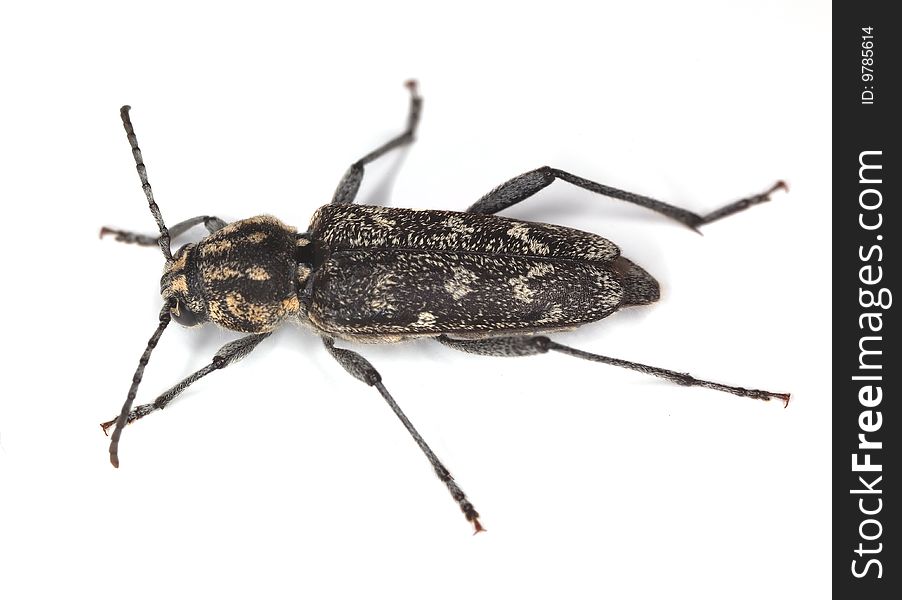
[(472, 281)]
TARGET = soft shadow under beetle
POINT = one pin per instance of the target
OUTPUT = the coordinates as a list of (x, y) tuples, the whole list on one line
[(473, 281)]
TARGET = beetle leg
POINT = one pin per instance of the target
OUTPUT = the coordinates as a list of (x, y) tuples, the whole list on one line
[(522, 187), (361, 368), (347, 188), (211, 223), (231, 352), (526, 346)]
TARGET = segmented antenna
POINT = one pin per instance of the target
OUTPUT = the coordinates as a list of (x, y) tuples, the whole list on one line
[(145, 185), (122, 421)]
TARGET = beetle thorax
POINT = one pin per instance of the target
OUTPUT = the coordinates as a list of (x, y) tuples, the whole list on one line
[(241, 277)]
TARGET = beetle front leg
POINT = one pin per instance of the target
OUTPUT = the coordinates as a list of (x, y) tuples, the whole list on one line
[(523, 186), (347, 188), (361, 368), (212, 224), (231, 352), (527, 346)]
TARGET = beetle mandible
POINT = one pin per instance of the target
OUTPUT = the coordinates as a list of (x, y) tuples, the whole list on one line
[(471, 280)]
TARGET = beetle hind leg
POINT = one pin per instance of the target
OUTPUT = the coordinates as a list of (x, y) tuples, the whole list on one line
[(523, 186), (527, 346)]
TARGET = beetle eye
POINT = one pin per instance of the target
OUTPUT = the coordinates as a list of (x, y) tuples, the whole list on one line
[(184, 316)]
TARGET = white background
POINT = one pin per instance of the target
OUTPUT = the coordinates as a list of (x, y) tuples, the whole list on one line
[(283, 477)]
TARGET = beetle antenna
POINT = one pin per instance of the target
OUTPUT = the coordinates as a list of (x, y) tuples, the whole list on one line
[(165, 318), (145, 185)]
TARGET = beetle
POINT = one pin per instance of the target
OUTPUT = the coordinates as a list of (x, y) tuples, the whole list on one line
[(474, 281)]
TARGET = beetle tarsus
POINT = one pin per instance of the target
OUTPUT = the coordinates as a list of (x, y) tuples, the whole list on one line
[(121, 236), (477, 526), (780, 185), (128, 237), (756, 394), (361, 369), (744, 203)]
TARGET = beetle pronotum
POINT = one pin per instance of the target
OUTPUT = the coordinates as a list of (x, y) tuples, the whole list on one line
[(473, 281)]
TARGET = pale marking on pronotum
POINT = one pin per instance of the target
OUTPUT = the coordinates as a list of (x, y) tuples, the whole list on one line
[(220, 272), (180, 262), (257, 237), (236, 304), (179, 285), (256, 313), (216, 247), (257, 273)]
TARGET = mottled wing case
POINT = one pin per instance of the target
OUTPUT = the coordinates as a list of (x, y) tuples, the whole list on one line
[(386, 272), (352, 226)]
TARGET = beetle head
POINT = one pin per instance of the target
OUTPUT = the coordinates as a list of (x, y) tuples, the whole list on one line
[(179, 287)]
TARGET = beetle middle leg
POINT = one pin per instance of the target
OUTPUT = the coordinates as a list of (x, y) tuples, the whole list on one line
[(361, 368), (347, 188), (212, 224), (527, 346), (523, 186), (229, 353)]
